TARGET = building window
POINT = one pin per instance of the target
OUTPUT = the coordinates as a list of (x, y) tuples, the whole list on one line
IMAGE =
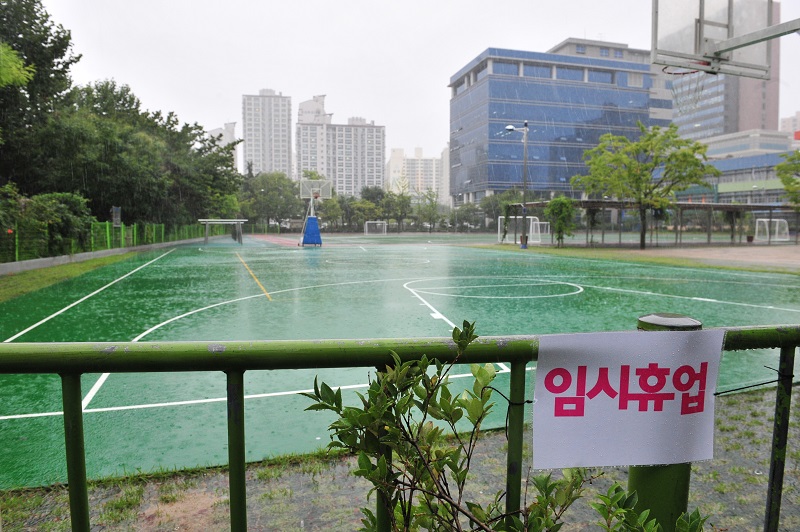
[(481, 72), (571, 74), (503, 67), (537, 71), (601, 76), (618, 54), (580, 48), (635, 79)]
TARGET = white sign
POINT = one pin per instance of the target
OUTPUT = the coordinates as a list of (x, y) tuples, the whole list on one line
[(625, 398)]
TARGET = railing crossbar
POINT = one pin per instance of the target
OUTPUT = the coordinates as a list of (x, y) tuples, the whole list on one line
[(71, 360)]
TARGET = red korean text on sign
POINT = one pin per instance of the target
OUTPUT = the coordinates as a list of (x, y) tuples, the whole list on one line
[(654, 385)]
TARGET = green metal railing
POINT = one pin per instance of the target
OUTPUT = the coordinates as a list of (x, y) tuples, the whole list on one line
[(71, 360), (27, 241)]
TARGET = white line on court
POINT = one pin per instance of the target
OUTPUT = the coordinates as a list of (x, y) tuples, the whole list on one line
[(690, 298), (81, 300), (522, 282), (200, 401), (104, 376), (435, 314)]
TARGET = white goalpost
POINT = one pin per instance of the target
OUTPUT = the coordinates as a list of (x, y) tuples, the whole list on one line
[(375, 227), (776, 230), (514, 230)]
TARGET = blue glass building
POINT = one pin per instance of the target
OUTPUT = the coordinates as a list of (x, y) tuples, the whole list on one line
[(569, 96)]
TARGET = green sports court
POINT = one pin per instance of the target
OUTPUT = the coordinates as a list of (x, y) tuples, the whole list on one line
[(351, 287)]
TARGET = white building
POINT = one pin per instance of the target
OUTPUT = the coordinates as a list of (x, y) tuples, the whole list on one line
[(350, 155), (748, 143), (414, 175), (228, 136), (267, 132), (791, 124)]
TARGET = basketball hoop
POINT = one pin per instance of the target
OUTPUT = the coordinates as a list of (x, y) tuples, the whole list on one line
[(687, 86), (316, 195), (671, 70)]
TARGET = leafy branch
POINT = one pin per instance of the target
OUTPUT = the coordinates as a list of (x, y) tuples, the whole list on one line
[(415, 442)]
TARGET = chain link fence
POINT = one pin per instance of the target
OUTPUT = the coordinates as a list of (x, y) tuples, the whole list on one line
[(32, 241)]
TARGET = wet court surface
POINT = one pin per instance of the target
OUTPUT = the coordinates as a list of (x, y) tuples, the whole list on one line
[(351, 287)]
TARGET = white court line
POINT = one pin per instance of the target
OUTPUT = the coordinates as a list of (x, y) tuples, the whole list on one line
[(690, 298), (435, 314), (81, 300), (198, 401), (104, 376)]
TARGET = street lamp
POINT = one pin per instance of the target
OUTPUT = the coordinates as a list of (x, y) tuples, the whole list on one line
[(523, 242)]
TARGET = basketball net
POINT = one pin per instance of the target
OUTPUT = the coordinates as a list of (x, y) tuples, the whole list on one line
[(687, 88)]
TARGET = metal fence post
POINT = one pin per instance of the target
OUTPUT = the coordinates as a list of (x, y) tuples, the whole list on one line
[(76, 455), (516, 419), (383, 512), (236, 450), (663, 489), (780, 433)]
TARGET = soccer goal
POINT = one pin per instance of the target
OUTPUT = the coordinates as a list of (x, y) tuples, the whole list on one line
[(514, 229), (375, 227), (776, 230)]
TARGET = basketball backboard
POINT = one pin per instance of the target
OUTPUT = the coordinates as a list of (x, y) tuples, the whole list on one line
[(716, 36), (316, 188)]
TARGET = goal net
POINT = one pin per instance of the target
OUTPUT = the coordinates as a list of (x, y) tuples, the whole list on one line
[(375, 227), (776, 230), (514, 230)]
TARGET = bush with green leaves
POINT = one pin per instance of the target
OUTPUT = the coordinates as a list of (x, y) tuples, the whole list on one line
[(416, 441)]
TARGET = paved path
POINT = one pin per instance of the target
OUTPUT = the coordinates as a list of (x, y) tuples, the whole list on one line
[(779, 256)]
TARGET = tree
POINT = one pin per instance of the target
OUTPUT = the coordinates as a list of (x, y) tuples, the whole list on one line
[(330, 211), (312, 174), (271, 196), (560, 212), (9, 206), (466, 214), (364, 210), (13, 70), (396, 206), (346, 206), (593, 221), (428, 208), (66, 219), (373, 194), (789, 173), (647, 171), (494, 206), (402, 208), (27, 29)]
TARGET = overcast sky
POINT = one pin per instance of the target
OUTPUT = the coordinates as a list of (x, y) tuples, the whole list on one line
[(386, 61)]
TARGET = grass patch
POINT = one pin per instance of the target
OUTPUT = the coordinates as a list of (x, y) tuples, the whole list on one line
[(174, 491), (125, 506), (726, 487), (270, 473), (280, 493), (633, 254), (16, 284), (16, 507)]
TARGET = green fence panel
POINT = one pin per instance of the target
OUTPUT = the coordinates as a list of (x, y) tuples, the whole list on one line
[(70, 360)]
